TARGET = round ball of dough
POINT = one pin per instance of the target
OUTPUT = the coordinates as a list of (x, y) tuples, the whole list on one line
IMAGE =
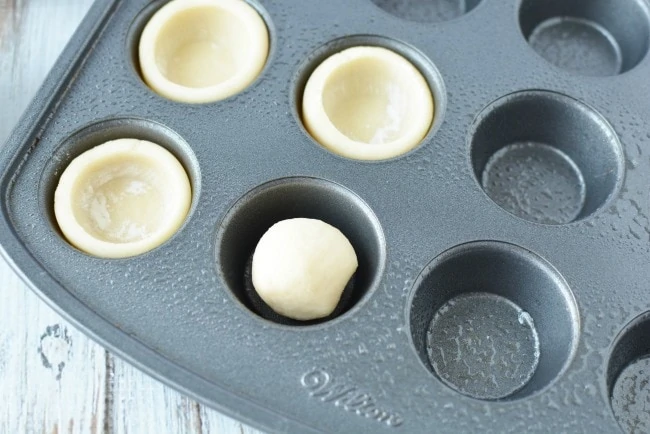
[(301, 267)]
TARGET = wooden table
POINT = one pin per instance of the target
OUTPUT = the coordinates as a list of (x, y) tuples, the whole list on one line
[(52, 378)]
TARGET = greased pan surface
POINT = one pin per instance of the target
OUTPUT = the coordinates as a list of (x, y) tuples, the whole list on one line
[(429, 226)]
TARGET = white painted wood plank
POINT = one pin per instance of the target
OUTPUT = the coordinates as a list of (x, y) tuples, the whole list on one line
[(52, 378), (32, 35), (214, 422), (141, 404)]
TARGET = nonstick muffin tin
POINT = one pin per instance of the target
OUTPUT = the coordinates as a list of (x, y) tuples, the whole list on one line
[(503, 263)]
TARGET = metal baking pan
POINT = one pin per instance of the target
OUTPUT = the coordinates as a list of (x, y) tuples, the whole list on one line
[(504, 262)]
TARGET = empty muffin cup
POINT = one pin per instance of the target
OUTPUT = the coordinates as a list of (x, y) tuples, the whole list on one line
[(427, 11), (200, 51), (587, 37), (367, 103), (493, 321), (546, 157), (122, 198), (628, 370)]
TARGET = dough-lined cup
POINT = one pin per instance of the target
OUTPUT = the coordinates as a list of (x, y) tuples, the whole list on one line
[(367, 103), (201, 51), (122, 198)]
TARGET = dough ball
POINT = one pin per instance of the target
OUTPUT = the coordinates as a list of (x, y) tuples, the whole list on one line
[(301, 267)]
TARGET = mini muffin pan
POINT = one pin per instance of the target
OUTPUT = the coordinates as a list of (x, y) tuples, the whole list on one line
[(503, 262)]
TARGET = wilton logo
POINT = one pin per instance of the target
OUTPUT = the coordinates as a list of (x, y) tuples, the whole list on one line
[(321, 386)]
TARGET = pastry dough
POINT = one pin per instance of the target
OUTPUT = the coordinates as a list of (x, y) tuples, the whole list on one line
[(367, 103), (122, 198), (199, 51), (301, 267)]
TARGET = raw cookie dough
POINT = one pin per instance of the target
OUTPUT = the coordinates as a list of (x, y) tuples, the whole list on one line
[(301, 266), (367, 103), (199, 51), (122, 198)]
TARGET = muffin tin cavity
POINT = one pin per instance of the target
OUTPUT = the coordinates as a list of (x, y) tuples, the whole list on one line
[(125, 159), (427, 11), (368, 98), (122, 198), (628, 374), (199, 51), (473, 329), (545, 157), (493, 321), (587, 37), (287, 198)]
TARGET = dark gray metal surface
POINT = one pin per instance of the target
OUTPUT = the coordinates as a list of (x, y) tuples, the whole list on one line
[(176, 311)]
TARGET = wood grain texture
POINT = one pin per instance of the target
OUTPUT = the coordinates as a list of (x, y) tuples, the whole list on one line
[(213, 422), (52, 378), (135, 395)]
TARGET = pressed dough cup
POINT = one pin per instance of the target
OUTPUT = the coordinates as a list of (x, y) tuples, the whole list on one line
[(200, 51), (367, 103), (122, 198)]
